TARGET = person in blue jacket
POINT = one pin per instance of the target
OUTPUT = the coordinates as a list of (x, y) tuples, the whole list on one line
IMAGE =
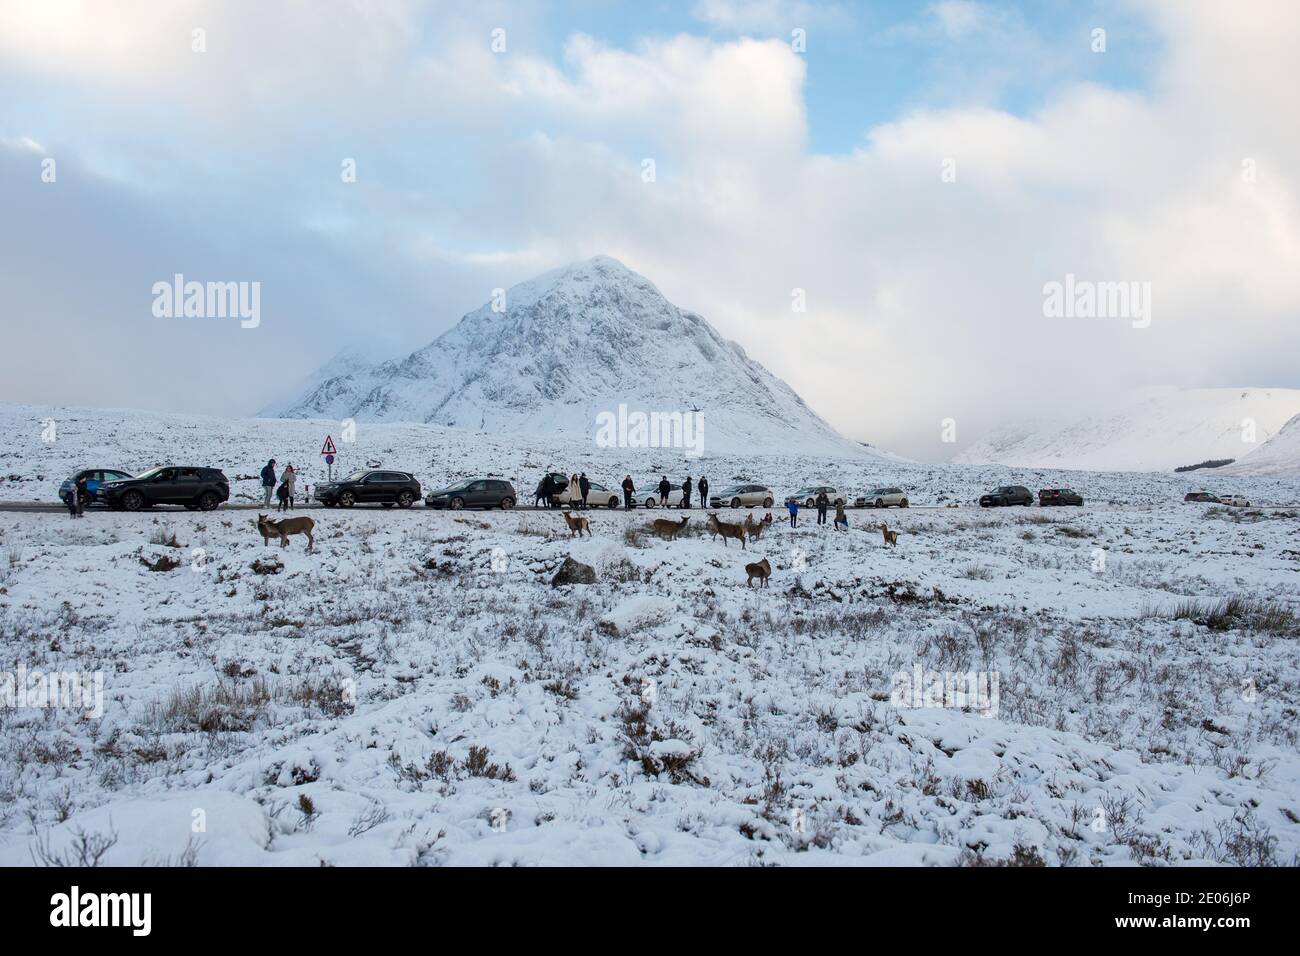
[(793, 507)]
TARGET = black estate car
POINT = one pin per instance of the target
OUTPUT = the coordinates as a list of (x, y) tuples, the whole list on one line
[(1059, 496), (195, 488), (474, 493), (387, 488), (95, 477), (1007, 495)]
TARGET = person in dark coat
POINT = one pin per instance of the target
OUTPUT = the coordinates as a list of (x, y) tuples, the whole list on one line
[(704, 491), (664, 488), (687, 488), (82, 491), (540, 494), (823, 503), (629, 490), (584, 486), (268, 483)]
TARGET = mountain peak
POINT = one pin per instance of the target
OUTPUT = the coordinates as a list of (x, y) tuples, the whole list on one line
[(568, 346)]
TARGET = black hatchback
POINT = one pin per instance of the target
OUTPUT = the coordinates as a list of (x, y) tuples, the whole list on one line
[(198, 489), (1007, 495), (1059, 496), (474, 493), (387, 488)]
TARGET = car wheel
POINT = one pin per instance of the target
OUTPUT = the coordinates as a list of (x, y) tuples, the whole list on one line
[(613, 503), (133, 501), (1028, 503), (903, 503), (650, 503), (456, 504), (735, 502), (880, 502), (405, 499), (347, 499), (208, 501), (767, 502), (507, 504)]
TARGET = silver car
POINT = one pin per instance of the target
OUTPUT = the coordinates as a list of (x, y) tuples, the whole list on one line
[(884, 498), (743, 496), (808, 496)]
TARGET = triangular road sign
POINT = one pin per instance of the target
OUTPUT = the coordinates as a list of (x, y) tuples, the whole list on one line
[(328, 448)]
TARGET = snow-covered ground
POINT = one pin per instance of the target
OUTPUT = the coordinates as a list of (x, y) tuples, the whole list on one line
[(417, 691)]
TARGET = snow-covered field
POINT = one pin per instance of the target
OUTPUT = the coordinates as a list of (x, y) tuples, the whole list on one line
[(417, 691)]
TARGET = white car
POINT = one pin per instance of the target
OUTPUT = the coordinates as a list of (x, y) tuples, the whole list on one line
[(1236, 501), (597, 497), (651, 498), (884, 498), (743, 496), (807, 497)]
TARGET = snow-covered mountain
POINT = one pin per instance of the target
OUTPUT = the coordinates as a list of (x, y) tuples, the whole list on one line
[(346, 361), (1279, 457), (572, 344), (1155, 429)]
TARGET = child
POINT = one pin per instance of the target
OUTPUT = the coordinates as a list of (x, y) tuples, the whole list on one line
[(793, 507), (841, 519)]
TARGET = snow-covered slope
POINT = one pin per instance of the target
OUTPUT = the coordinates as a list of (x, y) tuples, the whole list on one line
[(346, 361), (1154, 430), (1279, 457), (569, 345)]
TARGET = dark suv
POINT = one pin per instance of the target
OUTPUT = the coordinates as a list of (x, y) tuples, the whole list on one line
[(387, 488), (198, 489), (1059, 496), (1201, 496), (474, 493), (95, 478), (1007, 495)]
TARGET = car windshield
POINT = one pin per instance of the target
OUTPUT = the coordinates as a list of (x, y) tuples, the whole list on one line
[(735, 489), (355, 476), (151, 473), (461, 485)]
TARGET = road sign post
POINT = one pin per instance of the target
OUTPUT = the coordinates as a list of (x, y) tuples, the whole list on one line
[(329, 451)]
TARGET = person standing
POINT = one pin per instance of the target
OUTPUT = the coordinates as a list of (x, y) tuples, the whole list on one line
[(289, 480), (268, 483), (823, 503), (793, 507), (704, 491), (629, 490), (584, 485), (575, 492), (664, 488), (687, 488), (841, 519)]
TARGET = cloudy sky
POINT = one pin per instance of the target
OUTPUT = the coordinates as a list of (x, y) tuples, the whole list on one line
[(919, 171)]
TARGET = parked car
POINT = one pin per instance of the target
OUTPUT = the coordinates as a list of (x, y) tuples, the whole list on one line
[(387, 488), (474, 493), (651, 499), (808, 496), (1059, 496), (1201, 496), (1234, 501), (743, 496), (883, 498), (597, 497), (195, 488), (95, 477), (1007, 495)]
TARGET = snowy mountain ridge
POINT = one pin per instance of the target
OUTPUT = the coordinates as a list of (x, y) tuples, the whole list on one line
[(1155, 429), (564, 348)]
